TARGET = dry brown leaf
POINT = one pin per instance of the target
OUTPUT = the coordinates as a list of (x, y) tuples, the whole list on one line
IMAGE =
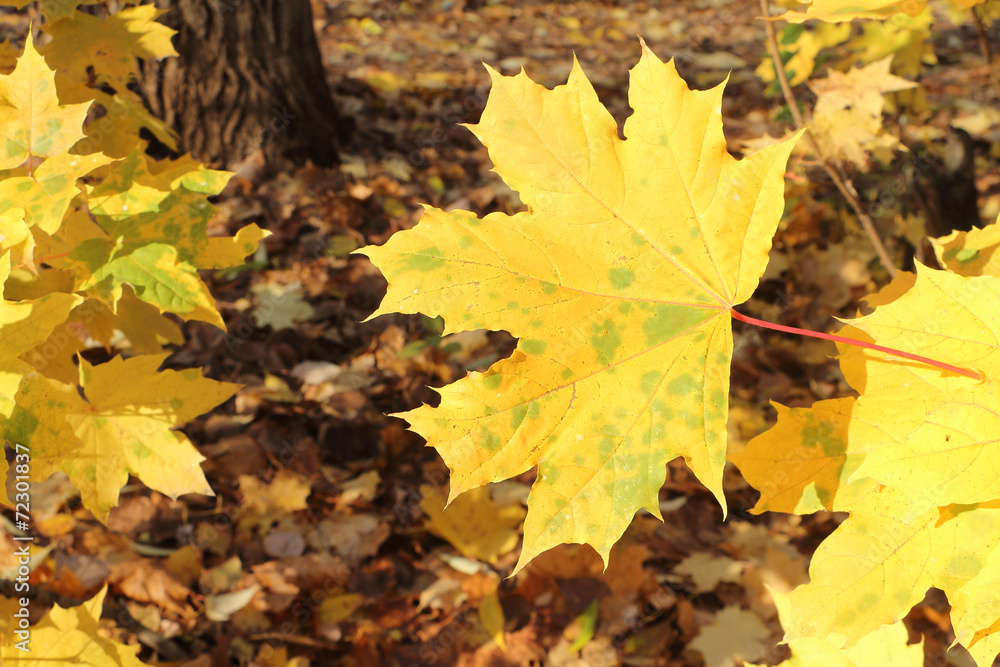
[(147, 581)]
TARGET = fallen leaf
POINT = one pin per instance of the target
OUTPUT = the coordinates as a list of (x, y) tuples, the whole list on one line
[(473, 523), (220, 607), (707, 570), (735, 635), (280, 306)]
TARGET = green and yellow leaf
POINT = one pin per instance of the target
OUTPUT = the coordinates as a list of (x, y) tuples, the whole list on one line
[(618, 282), (123, 425)]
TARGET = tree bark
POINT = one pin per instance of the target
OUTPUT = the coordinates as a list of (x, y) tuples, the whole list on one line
[(249, 76)]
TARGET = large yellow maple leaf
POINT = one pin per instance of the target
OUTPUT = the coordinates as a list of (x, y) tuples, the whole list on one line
[(618, 280)]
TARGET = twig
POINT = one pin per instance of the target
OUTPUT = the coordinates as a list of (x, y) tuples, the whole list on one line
[(786, 91), (984, 47)]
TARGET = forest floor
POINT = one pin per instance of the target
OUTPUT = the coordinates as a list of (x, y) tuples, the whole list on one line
[(332, 508)]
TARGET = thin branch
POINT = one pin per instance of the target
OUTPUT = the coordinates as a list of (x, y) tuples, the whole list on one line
[(984, 47), (786, 91)]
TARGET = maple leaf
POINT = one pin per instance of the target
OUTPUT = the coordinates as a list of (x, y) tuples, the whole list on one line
[(32, 121), (734, 634), (927, 433), (280, 306), (121, 425), (909, 459), (46, 192), (617, 280), (150, 236), (893, 547), (144, 202), (800, 465), (108, 46), (847, 117), (475, 524), (71, 636), (51, 9), (34, 125), (158, 278)]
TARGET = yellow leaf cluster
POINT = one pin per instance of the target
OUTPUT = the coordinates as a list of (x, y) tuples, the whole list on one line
[(100, 262), (911, 459)]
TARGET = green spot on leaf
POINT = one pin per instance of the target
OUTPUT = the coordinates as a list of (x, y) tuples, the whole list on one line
[(532, 346), (621, 277), (605, 340)]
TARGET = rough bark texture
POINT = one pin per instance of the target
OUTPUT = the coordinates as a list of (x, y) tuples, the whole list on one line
[(249, 76)]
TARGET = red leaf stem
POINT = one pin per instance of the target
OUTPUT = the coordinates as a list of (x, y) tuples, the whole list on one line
[(860, 343)]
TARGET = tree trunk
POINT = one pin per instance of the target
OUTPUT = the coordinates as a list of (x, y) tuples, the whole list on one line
[(249, 76)]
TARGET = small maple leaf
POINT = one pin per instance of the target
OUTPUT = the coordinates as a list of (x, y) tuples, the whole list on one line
[(122, 425), (735, 633), (32, 122), (475, 524), (618, 281), (847, 117), (107, 46)]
